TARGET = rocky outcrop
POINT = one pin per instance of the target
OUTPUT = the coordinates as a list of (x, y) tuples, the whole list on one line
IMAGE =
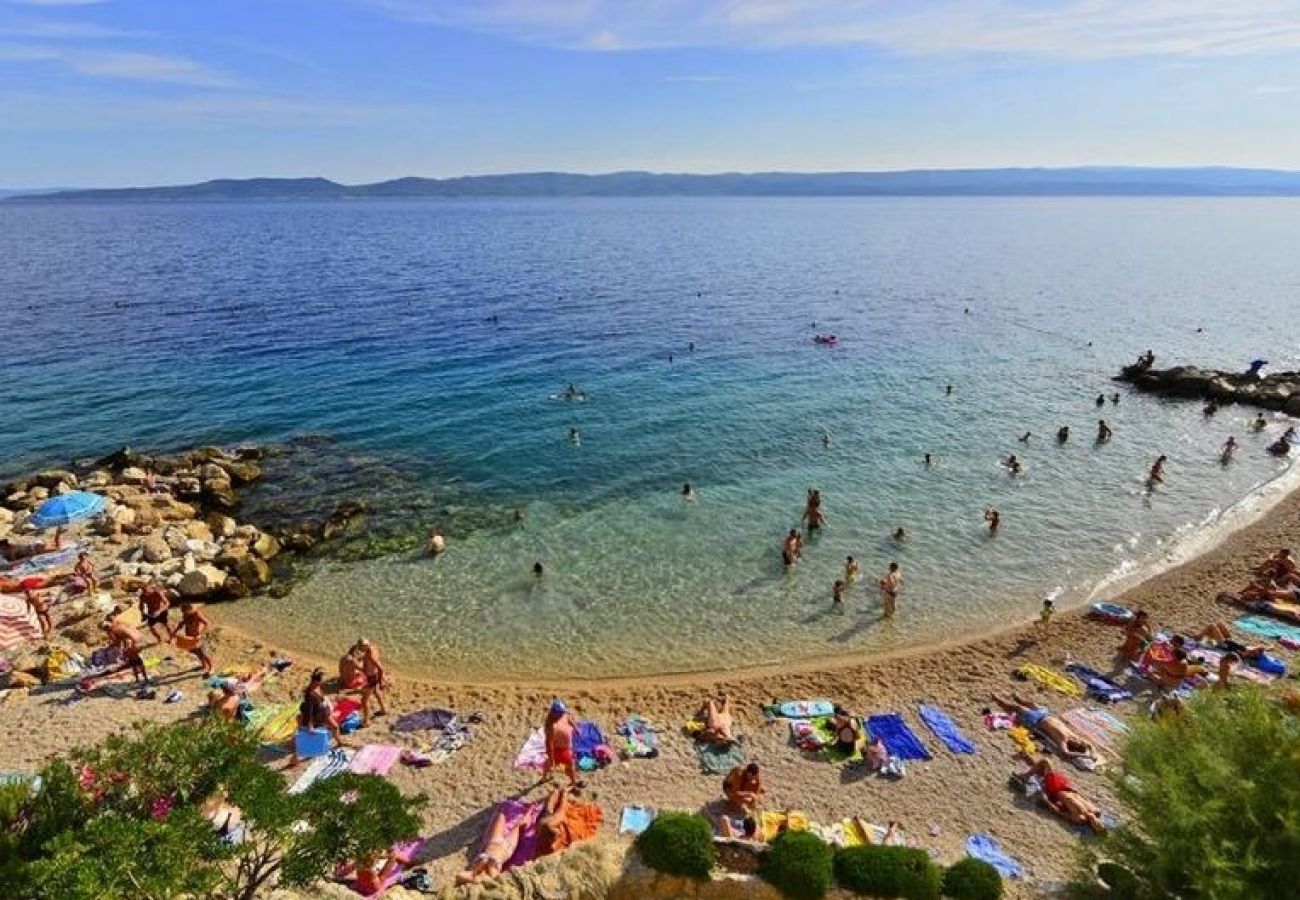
[(1278, 390)]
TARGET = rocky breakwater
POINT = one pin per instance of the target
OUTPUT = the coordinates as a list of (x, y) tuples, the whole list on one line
[(1278, 390), (165, 517)]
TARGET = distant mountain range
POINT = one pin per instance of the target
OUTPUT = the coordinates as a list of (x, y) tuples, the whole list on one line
[(1072, 182)]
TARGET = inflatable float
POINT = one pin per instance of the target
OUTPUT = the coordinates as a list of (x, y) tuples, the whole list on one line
[(1112, 613), (826, 340)]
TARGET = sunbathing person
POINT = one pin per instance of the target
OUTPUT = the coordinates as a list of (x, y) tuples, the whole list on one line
[(847, 732), (1214, 633), (1137, 634), (718, 727), (1038, 718), (1170, 674), (1061, 797), (373, 871), (877, 755), (503, 837), (743, 787)]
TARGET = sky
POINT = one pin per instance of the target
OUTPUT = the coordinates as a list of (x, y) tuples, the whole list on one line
[(125, 92)]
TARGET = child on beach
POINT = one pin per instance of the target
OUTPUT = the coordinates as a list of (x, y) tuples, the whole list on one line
[(1045, 618), (837, 592), (850, 570)]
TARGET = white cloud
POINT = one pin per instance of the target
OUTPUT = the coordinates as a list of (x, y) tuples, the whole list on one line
[(120, 65), (56, 31), (1066, 29)]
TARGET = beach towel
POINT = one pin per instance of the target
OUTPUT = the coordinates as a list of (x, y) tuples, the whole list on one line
[(334, 763), (799, 709), (1045, 677), (1098, 727), (423, 720), (986, 849), (1211, 659), (586, 738), (636, 819), (18, 624), (772, 823), (639, 740), (824, 731), (805, 736), (532, 756), (899, 740), (375, 759), (1263, 626), (999, 721), (449, 742), (274, 723), (1023, 740), (718, 760), (1097, 685), (945, 729), (43, 561)]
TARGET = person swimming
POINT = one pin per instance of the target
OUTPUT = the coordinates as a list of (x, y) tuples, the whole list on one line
[(1114, 399), (948, 391), (826, 439), (575, 437), (1101, 399), (1229, 447), (1103, 431), (1063, 434), (538, 570), (899, 535), (1012, 465), (688, 493), (992, 519), (1157, 473), (1259, 424), (1024, 438)]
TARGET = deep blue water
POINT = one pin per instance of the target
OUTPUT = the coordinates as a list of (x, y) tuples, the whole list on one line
[(175, 324)]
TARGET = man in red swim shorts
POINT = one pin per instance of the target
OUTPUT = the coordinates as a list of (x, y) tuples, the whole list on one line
[(559, 730)]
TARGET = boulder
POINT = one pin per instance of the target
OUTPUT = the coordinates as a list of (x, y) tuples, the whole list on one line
[(6, 516), (230, 555), (1292, 407), (266, 546), (242, 472), (176, 538), (220, 525), (247, 533), (18, 500), (187, 486), (234, 589), (219, 494), (146, 519), (63, 488), (173, 510), (249, 454), (199, 531), (203, 455), (202, 581), (212, 472), (133, 475), (155, 549), (253, 572), (123, 515), (52, 478), (100, 478), (37, 494)]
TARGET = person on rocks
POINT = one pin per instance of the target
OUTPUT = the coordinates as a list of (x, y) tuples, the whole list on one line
[(86, 571), (376, 680), (40, 607), (191, 633), (155, 610)]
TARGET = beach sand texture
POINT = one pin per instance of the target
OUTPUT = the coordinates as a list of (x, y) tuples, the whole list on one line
[(939, 804)]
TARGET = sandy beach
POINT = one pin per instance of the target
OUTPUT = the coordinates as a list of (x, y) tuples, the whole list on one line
[(939, 804)]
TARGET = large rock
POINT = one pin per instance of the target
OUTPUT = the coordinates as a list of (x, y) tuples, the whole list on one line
[(220, 524), (253, 572), (37, 494), (242, 472), (6, 516), (1293, 405), (123, 515), (133, 475), (231, 554), (52, 478), (155, 549), (213, 472), (173, 510), (219, 493), (266, 546), (100, 478), (202, 581), (176, 538), (200, 531)]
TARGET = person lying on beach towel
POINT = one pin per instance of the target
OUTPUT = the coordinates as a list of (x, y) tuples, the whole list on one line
[(558, 823), (1061, 796), (1038, 718), (718, 724)]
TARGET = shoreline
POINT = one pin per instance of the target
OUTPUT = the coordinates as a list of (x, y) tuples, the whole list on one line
[(1250, 510)]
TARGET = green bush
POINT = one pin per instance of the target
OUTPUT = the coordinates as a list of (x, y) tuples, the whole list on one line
[(678, 843), (876, 871), (972, 879), (799, 864), (1213, 796)]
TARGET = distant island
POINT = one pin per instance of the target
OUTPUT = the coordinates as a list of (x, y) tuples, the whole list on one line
[(1090, 181)]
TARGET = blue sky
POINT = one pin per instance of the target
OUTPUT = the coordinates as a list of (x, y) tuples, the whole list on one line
[(116, 92)]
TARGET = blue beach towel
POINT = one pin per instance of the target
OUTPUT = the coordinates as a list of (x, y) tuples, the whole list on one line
[(1098, 685), (636, 819), (985, 848), (899, 740), (586, 738), (945, 729), (639, 738), (1267, 627)]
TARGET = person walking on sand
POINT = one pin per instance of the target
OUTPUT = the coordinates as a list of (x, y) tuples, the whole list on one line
[(1103, 431), (376, 680), (559, 730), (1157, 473), (190, 634), (890, 585), (40, 607), (993, 520), (837, 592), (155, 609)]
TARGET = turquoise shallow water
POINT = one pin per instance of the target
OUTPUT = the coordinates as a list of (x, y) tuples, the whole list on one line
[(169, 324)]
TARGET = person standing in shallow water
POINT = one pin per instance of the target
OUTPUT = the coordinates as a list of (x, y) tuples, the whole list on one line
[(1103, 431), (850, 570), (837, 592), (890, 585), (1063, 434), (688, 493), (538, 570), (1157, 473), (928, 461), (993, 520)]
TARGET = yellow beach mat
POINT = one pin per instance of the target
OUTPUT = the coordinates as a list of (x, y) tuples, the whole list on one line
[(1041, 675), (279, 726), (855, 832), (1024, 741), (771, 823)]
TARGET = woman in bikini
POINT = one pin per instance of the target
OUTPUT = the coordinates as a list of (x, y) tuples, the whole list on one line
[(847, 732), (504, 832), (1068, 742), (1061, 797), (376, 680)]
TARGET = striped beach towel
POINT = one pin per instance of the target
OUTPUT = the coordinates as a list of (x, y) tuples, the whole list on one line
[(335, 763), (17, 623), (532, 755), (1101, 729)]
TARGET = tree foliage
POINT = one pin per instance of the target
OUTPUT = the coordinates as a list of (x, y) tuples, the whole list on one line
[(1214, 795), (124, 820)]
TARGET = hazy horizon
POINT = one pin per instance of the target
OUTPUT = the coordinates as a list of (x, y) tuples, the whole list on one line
[(103, 93)]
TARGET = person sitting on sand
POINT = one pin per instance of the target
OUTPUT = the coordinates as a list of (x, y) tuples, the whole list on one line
[(1170, 674), (1061, 797), (718, 726), (503, 835), (376, 680), (743, 788), (559, 728), (1040, 719), (848, 734), (40, 608), (1280, 567), (155, 609), (85, 570), (876, 755), (351, 678), (1137, 634), (193, 629)]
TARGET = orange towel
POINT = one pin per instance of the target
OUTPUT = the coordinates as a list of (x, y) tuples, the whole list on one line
[(583, 820)]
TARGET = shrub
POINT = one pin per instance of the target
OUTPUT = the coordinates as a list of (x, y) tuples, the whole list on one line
[(972, 879), (876, 871), (799, 864), (1214, 799), (678, 843)]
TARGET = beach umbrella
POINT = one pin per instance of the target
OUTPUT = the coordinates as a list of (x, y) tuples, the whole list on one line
[(68, 508)]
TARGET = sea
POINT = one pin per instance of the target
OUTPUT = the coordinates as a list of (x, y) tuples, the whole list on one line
[(429, 344)]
